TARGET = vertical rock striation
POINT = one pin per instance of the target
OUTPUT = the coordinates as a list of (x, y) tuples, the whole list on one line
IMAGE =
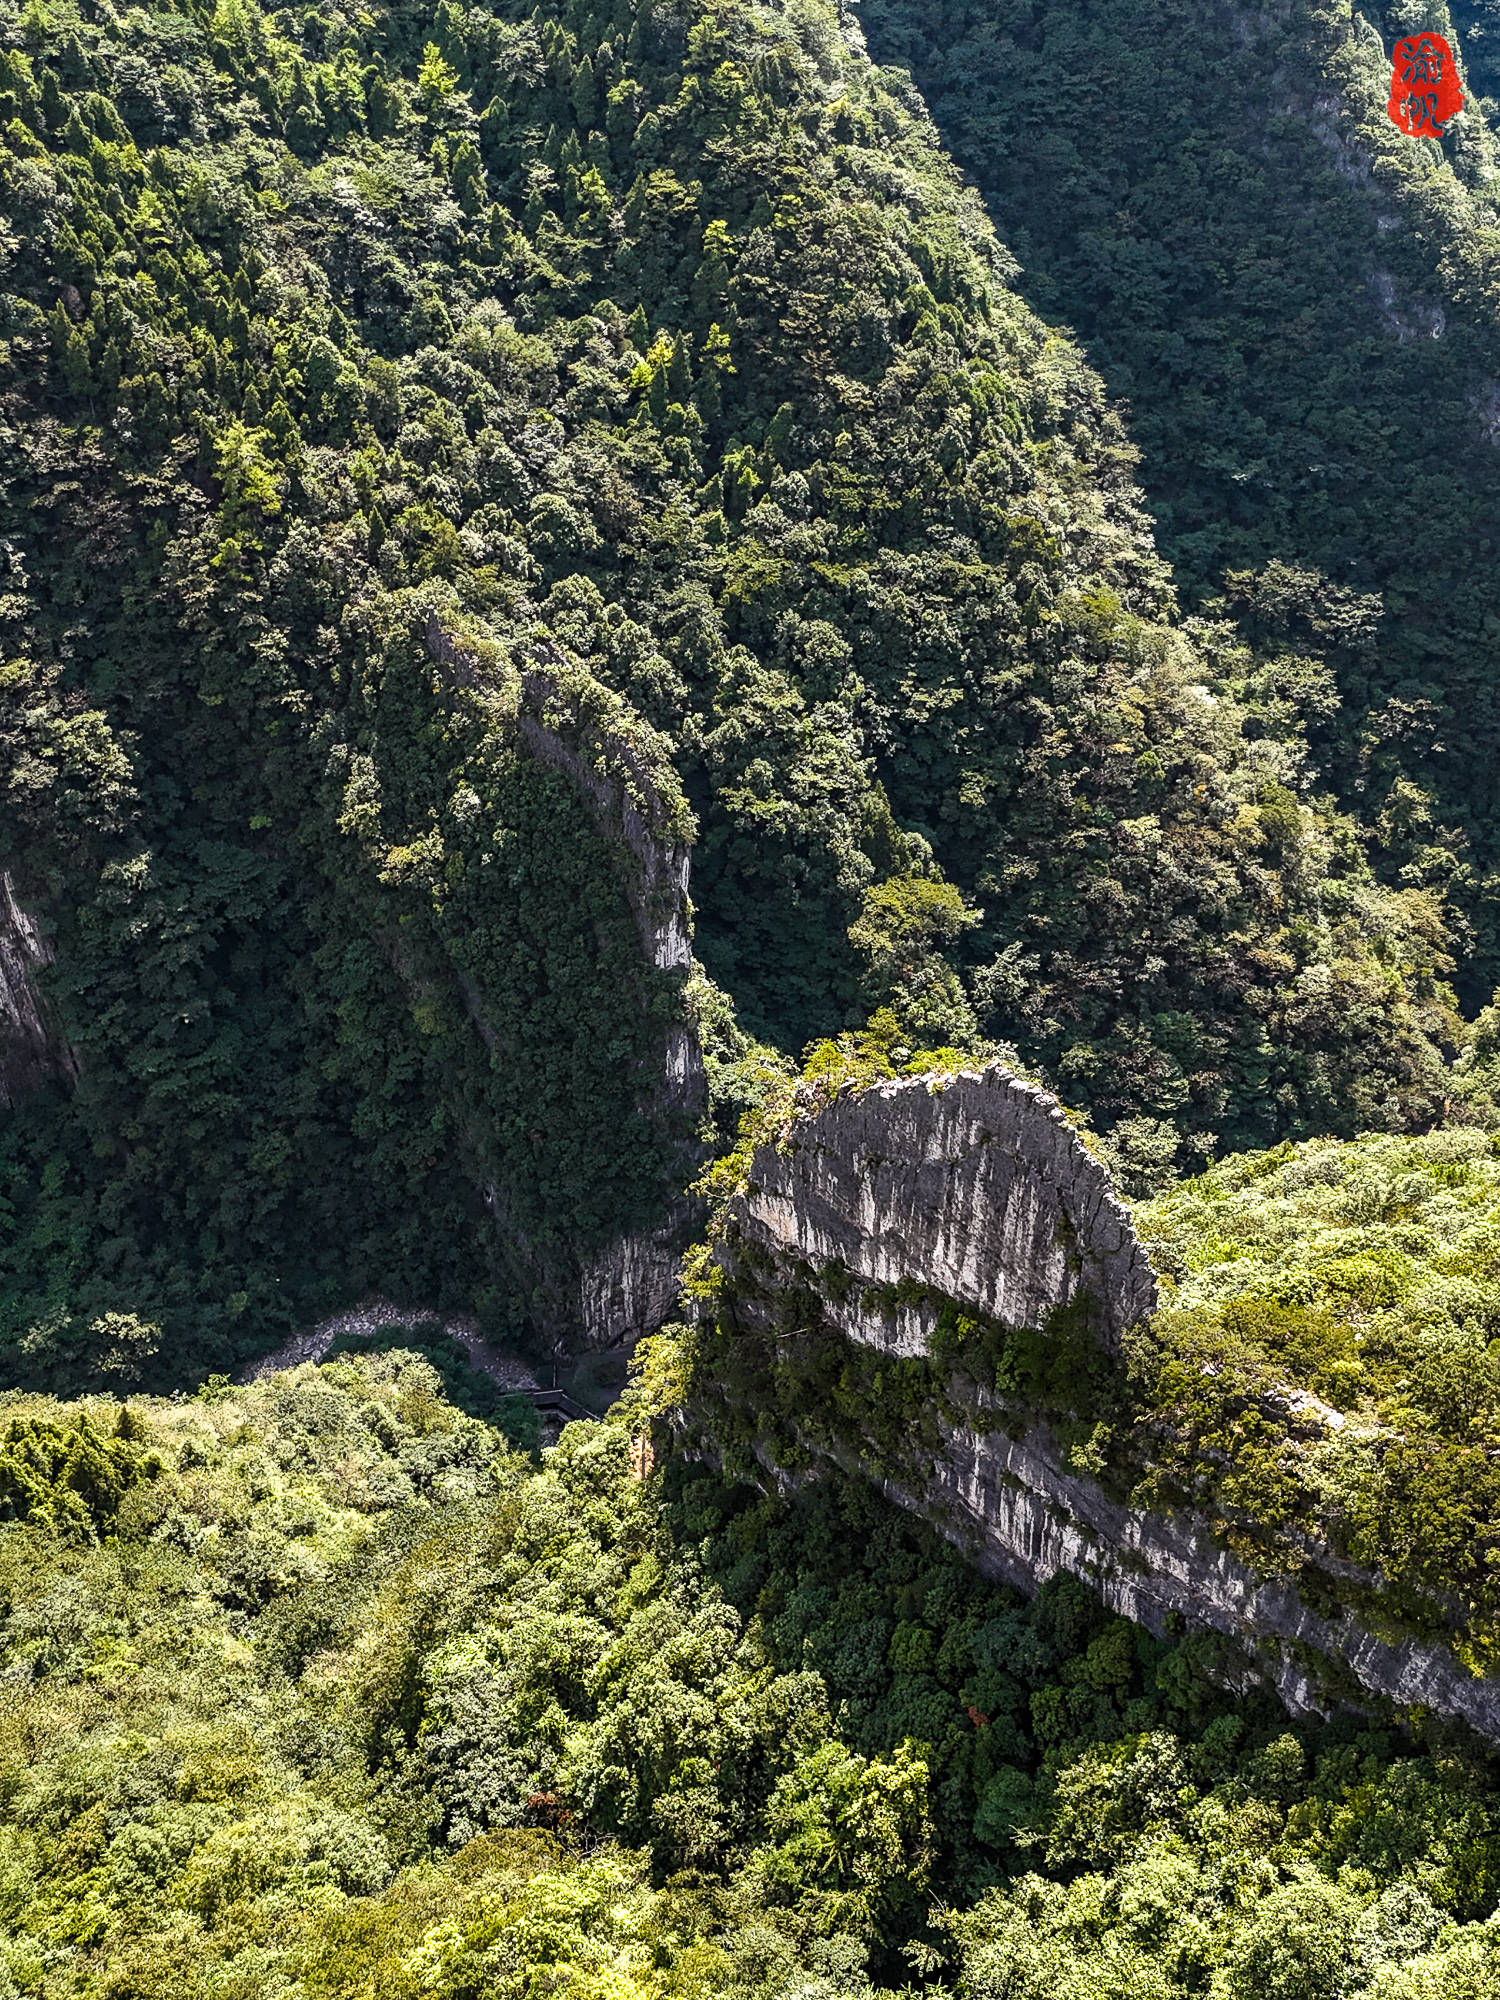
[(878, 1215), (1022, 1515), (974, 1185), (28, 1049)]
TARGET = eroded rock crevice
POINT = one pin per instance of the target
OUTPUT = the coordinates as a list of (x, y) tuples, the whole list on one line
[(29, 1049)]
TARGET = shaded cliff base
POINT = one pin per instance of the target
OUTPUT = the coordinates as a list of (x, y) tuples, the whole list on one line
[(569, 722), (1023, 1515), (848, 1316), (452, 1052)]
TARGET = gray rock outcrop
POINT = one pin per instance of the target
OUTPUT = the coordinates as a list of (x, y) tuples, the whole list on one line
[(1022, 1516), (880, 1205), (975, 1185), (29, 1050)]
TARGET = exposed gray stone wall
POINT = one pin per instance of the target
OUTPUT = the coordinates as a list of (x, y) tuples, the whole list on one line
[(980, 1189), (975, 1185), (1022, 1516), (571, 723), (28, 1048)]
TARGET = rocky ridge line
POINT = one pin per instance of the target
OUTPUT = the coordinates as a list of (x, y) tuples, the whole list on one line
[(975, 1185), (569, 721), (975, 1189)]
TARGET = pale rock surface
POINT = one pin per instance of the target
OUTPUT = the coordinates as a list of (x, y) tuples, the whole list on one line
[(976, 1187), (28, 1048), (974, 1184)]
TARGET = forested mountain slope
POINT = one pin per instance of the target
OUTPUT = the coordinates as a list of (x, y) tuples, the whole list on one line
[(1478, 21), (661, 344), (1301, 309), (316, 1690), (461, 467)]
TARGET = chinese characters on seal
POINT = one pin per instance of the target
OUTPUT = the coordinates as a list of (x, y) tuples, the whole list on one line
[(1425, 90)]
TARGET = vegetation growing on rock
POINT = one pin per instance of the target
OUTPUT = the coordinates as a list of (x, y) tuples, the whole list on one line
[(413, 417), (347, 1699), (1323, 1367), (1318, 1386)]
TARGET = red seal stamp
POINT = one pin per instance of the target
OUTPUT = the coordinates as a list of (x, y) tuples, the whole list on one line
[(1425, 90)]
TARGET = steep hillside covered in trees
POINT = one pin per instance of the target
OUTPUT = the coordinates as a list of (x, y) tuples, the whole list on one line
[(664, 345), (455, 466), (317, 1690), (1301, 309)]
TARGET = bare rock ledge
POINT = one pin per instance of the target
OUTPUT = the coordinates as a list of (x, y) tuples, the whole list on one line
[(976, 1187)]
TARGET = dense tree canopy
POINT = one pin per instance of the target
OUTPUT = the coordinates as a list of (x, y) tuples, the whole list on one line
[(330, 1694), (670, 344), (1300, 308), (451, 456)]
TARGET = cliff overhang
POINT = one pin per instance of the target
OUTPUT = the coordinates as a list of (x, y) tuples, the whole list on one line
[(928, 1282)]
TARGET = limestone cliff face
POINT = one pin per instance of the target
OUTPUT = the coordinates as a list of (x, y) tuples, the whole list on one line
[(561, 726), (976, 1185), (568, 721), (28, 1048), (1023, 1516), (875, 1209)]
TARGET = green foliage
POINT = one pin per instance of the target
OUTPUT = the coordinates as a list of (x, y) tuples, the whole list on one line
[(1320, 1381), (311, 1044), (475, 1394), (420, 426), (881, 1048), (1299, 306), (68, 1477), (769, 1093), (776, 1378), (903, 928), (1479, 23), (1323, 1368), (352, 1701), (669, 355)]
